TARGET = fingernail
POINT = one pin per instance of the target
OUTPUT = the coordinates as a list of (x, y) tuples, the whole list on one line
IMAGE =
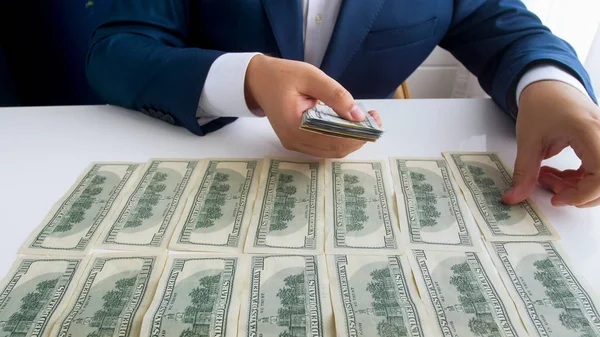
[(357, 113), (565, 196)]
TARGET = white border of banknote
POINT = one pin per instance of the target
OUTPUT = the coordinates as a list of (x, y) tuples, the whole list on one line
[(35, 242), (162, 237), (479, 210), (408, 219), (237, 236), (60, 300), (258, 230), (427, 287), (251, 295), (333, 213), (151, 325), (134, 318), (520, 295)]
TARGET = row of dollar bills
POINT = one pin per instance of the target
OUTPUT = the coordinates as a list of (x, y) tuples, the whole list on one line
[(289, 247)]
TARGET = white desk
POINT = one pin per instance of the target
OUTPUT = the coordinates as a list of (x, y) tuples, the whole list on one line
[(43, 150)]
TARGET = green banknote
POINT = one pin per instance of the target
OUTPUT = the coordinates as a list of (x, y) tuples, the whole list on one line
[(198, 296), (464, 295), (73, 224), (484, 178), (218, 211), (360, 213), (147, 217), (432, 211), (375, 296), (112, 296), (35, 292), (551, 298), (288, 212), (286, 295)]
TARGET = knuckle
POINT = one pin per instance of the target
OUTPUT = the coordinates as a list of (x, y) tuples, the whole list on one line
[(339, 93)]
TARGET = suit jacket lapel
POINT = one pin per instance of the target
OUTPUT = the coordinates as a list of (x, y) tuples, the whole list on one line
[(354, 21), (286, 19)]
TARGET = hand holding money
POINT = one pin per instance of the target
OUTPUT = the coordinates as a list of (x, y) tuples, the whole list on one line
[(323, 120), (285, 89)]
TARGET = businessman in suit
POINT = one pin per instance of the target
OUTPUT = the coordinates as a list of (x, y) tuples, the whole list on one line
[(201, 64)]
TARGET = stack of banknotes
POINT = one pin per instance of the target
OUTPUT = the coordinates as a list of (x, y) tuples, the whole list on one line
[(286, 247), (322, 119)]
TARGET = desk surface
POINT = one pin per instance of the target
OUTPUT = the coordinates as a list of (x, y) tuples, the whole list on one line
[(43, 150)]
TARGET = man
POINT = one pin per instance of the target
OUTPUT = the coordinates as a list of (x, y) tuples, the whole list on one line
[(201, 63)]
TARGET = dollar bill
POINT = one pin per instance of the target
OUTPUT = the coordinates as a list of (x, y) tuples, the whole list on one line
[(196, 296), (465, 295), (35, 292), (484, 178), (552, 299), (112, 296), (359, 209), (146, 218), (218, 211), (322, 119), (288, 212), (432, 211), (375, 296), (75, 221), (286, 296)]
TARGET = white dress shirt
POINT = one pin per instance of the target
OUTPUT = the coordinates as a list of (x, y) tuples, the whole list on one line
[(223, 92)]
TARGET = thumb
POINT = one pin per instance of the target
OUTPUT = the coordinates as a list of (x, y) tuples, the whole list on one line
[(324, 88), (527, 167)]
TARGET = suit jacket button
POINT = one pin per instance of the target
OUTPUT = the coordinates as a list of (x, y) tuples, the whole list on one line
[(169, 118)]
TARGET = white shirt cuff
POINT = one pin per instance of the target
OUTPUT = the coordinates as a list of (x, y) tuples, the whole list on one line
[(544, 72), (223, 92)]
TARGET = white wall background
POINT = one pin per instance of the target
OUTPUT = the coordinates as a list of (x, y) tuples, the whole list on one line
[(576, 21)]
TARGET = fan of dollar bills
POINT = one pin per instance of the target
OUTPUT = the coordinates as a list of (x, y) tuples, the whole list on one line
[(322, 119)]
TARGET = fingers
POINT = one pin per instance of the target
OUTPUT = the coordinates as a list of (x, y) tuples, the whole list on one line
[(574, 174), (322, 87), (333, 150), (590, 204), (587, 190), (527, 167), (554, 183), (376, 117)]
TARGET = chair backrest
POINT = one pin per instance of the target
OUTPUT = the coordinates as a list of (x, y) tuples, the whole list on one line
[(45, 44)]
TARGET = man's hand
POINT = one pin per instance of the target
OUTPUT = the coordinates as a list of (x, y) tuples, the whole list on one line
[(552, 116), (284, 89)]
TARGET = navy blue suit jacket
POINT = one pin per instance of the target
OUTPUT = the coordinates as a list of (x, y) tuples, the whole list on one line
[(154, 55)]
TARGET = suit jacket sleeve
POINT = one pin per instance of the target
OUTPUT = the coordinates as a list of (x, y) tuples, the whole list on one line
[(499, 40), (140, 58)]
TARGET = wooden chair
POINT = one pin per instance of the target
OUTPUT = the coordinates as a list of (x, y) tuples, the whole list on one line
[(402, 92)]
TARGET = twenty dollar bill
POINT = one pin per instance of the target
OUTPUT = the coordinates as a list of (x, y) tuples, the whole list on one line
[(375, 296), (432, 211), (218, 211), (35, 292), (288, 212), (551, 298), (360, 215), (464, 295), (286, 295), (147, 217), (484, 178), (75, 221), (198, 295)]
